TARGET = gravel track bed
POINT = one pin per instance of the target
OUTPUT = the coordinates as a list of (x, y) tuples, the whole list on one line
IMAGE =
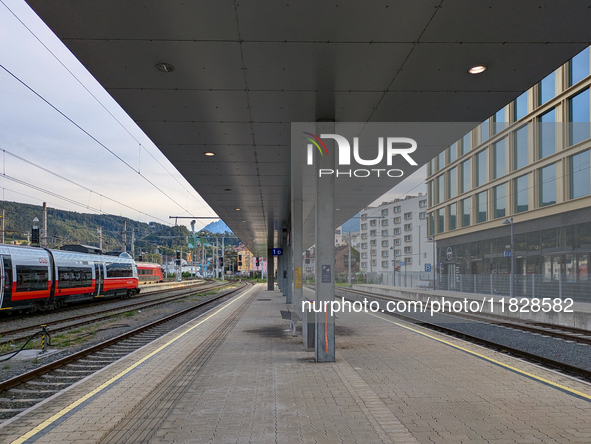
[(560, 350), (34, 320), (117, 327)]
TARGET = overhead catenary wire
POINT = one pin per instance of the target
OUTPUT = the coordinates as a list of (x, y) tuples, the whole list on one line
[(96, 99), (69, 119)]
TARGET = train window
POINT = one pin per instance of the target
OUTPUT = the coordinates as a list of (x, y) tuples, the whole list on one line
[(7, 275), (75, 277), (30, 278), (115, 270)]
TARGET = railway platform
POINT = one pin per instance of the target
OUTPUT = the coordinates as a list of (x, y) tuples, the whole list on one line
[(237, 375)]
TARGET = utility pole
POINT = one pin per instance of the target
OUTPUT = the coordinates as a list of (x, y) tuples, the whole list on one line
[(217, 255), (223, 252), (124, 236), (44, 236), (133, 244), (99, 230)]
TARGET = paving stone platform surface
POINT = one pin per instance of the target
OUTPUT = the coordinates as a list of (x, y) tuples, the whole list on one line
[(240, 377)]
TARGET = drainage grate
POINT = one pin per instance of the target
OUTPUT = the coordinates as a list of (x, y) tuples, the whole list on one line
[(263, 299)]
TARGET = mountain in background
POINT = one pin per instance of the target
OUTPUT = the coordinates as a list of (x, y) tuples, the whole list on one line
[(352, 224), (218, 227)]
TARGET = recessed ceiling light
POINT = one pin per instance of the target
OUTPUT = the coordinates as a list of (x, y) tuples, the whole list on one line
[(164, 67), (209, 154), (478, 69), (337, 209), (237, 209)]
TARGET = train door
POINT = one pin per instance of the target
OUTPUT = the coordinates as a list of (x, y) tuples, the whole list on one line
[(99, 273), (6, 287)]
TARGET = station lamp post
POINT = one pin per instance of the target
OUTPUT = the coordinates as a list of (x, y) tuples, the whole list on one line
[(433, 265), (509, 221)]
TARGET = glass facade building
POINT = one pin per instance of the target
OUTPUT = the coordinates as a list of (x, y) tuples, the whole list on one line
[(530, 161)]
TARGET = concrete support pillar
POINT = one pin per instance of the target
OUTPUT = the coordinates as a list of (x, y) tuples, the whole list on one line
[(325, 263), (297, 250), (289, 269), (270, 270), (279, 273)]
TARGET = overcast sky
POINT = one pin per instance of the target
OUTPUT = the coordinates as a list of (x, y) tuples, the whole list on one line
[(34, 85)]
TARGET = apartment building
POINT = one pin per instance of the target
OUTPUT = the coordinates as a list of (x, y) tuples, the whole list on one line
[(528, 163), (394, 233)]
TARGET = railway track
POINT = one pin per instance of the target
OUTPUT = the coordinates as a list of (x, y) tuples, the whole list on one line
[(538, 328), (65, 324), (24, 391)]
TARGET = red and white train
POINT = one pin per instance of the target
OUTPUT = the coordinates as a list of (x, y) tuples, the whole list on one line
[(149, 273), (42, 279)]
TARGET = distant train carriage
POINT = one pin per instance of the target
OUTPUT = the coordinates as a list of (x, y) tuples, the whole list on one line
[(149, 273), (42, 279)]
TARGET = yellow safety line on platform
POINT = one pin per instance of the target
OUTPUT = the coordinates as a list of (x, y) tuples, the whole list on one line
[(494, 361), (103, 386)]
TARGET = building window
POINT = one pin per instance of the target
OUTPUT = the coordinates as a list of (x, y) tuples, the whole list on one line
[(373, 262), (430, 167), (578, 67), (396, 230), (407, 250), (441, 159), (396, 252), (499, 196), (422, 203), (408, 260), (440, 220), (384, 232), (453, 150), (384, 222), (546, 89), (521, 194), (385, 253), (441, 188), (364, 245), (384, 212), (384, 264), (407, 227), (481, 168), (521, 150), (430, 192), (580, 177), (364, 216), (384, 243), (520, 107), (373, 223), (466, 212), (397, 209), (548, 185), (453, 183), (452, 216), (407, 216), (408, 238), (373, 253), (484, 133), (481, 206), (372, 242), (499, 121), (372, 232), (396, 220), (363, 255), (363, 235), (397, 241), (465, 144), (337, 231), (431, 224), (364, 226), (579, 117), (547, 133), (423, 215), (466, 178), (363, 264), (499, 155)]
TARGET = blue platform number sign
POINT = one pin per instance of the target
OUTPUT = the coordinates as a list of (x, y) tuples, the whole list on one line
[(507, 253), (277, 251), (428, 268), (326, 275)]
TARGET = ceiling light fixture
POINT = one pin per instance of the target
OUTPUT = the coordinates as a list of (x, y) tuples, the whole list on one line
[(164, 67), (209, 154), (237, 209), (478, 69)]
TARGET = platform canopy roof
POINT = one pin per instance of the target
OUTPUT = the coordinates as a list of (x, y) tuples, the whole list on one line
[(244, 70)]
